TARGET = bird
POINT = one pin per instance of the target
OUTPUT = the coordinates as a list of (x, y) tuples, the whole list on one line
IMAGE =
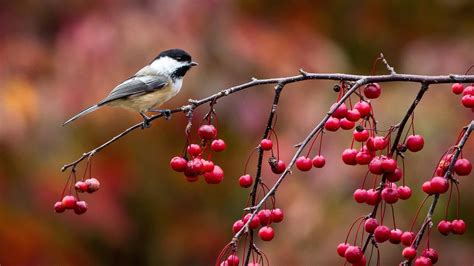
[(150, 87)]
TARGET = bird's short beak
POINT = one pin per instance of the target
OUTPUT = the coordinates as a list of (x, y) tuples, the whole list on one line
[(193, 64)]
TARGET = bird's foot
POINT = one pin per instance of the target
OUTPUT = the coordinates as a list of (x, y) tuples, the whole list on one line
[(146, 121), (165, 112)]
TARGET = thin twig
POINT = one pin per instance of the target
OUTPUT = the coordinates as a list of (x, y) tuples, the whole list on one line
[(389, 68)]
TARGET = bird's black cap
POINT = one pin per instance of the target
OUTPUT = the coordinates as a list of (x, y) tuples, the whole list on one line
[(177, 54)]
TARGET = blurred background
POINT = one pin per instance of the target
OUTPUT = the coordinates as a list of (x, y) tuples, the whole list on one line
[(58, 57)]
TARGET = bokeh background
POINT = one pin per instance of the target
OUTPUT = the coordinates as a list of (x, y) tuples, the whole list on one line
[(58, 57)]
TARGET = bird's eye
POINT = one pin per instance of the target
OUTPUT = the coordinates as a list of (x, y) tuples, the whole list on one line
[(178, 58)]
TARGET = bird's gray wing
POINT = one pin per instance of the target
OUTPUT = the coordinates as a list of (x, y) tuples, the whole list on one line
[(134, 86)]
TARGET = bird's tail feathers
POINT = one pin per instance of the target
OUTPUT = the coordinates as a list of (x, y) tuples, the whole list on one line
[(86, 111)]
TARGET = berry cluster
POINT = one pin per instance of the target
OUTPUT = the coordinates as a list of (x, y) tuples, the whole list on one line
[(467, 94), (195, 165), (263, 219), (70, 202)]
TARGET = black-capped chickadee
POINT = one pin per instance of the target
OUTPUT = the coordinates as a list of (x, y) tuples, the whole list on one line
[(150, 87)]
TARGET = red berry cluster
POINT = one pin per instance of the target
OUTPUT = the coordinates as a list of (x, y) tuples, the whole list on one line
[(467, 94), (196, 165), (263, 219), (69, 202)]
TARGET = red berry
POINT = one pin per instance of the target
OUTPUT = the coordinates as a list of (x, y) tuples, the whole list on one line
[(266, 144), (353, 115), (92, 185), (469, 90), (81, 207), (389, 165), (415, 143), (340, 112), (277, 215), (341, 249), (459, 227), (207, 132), (372, 90), (346, 124), (277, 167), (363, 157), (370, 225), (389, 195), (375, 166), (468, 101), (194, 167), (194, 149), (439, 184), (69, 202), (245, 181), (360, 195), (208, 165), (430, 253), (373, 197), (395, 175), (361, 262), (463, 167), (214, 177), (457, 88), (426, 187), (233, 260), (304, 163), (191, 177), (266, 233), (255, 223), (353, 254), (265, 216), (363, 108), (218, 145), (178, 164), (237, 226), (380, 143), (381, 233), (423, 261), (349, 156), (81, 186), (395, 236), (361, 136), (404, 192), (332, 124), (58, 207), (319, 161), (445, 227), (407, 238), (409, 253)]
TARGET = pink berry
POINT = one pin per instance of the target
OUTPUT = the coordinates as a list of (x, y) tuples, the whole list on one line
[(69, 202), (218, 145), (341, 249), (404, 192), (277, 215), (214, 177), (361, 136), (363, 157), (349, 156), (304, 163), (423, 261), (255, 223), (370, 225), (469, 90), (372, 90), (194, 149), (381, 233), (245, 181), (92, 185), (194, 167), (375, 166), (389, 165), (395, 236), (178, 164), (468, 101), (360, 195), (426, 187), (332, 124), (81, 186), (266, 233), (353, 254), (439, 184), (363, 108), (265, 216), (353, 115), (319, 161), (373, 197), (445, 227), (380, 143), (340, 112), (390, 195), (346, 124), (81, 207), (278, 167), (407, 238), (237, 226), (233, 260), (207, 132), (415, 143), (459, 227), (395, 175), (409, 253), (430, 253), (463, 167), (266, 144), (457, 88), (58, 207), (208, 165)]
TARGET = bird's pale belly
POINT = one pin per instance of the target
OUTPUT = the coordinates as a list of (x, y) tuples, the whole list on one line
[(143, 103)]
